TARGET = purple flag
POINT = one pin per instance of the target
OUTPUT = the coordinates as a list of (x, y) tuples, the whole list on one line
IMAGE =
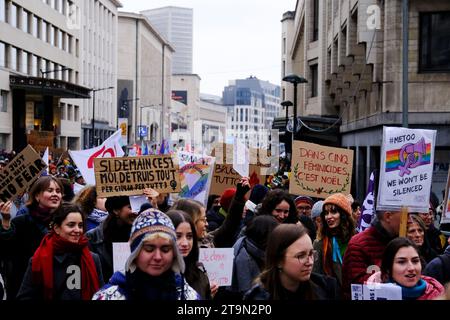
[(368, 206)]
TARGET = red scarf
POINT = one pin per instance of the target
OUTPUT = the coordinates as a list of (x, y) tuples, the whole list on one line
[(42, 264)]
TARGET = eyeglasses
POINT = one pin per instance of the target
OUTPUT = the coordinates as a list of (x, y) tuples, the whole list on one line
[(303, 208), (202, 220), (304, 256), (281, 211)]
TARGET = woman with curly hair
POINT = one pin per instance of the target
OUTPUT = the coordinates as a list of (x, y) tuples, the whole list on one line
[(338, 227), (279, 204)]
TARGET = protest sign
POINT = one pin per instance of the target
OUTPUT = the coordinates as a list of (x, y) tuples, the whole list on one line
[(136, 202), (218, 264), (131, 175), (241, 157), (446, 210), (20, 173), (121, 252), (196, 172), (406, 169), (320, 171), (224, 177), (376, 291)]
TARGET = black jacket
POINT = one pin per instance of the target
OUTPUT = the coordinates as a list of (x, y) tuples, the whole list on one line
[(439, 267), (61, 273), (17, 246), (325, 288), (98, 245)]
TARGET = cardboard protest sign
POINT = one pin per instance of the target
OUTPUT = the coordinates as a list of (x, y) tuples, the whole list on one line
[(218, 264), (376, 291), (224, 177), (446, 210), (20, 173), (320, 171), (121, 252), (406, 169), (131, 175), (196, 173)]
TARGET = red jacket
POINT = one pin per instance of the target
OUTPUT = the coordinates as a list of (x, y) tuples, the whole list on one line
[(433, 290), (364, 250)]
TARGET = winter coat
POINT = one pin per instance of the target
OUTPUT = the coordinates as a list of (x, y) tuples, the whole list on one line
[(325, 288), (17, 246), (433, 289), (117, 289), (439, 267), (215, 219), (364, 251), (103, 249), (61, 263), (318, 264), (246, 265)]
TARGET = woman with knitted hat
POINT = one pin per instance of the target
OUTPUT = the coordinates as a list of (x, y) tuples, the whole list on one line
[(337, 229), (63, 268), (154, 270)]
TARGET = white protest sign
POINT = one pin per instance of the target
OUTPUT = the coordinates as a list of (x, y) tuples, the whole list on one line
[(136, 202), (218, 264), (446, 210), (376, 291), (406, 171), (121, 252), (241, 158)]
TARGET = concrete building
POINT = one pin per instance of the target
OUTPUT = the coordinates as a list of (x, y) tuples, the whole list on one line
[(213, 116), (253, 105), (176, 25), (351, 53), (98, 69), (144, 78), (48, 66)]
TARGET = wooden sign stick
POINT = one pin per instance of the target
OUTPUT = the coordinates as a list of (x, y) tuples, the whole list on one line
[(403, 222)]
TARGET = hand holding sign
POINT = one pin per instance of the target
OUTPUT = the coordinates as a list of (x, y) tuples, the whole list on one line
[(5, 211)]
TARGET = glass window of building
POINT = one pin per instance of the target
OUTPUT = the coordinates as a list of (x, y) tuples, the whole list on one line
[(63, 111), (24, 62), (44, 31), (34, 66), (24, 21), (13, 58), (76, 113), (60, 39), (3, 101), (13, 16), (51, 33), (2, 55), (35, 26), (434, 42), (2, 10)]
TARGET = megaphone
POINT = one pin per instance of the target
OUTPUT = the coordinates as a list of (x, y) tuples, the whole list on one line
[(408, 156)]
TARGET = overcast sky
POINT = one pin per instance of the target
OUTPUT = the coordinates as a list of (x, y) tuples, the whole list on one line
[(233, 39)]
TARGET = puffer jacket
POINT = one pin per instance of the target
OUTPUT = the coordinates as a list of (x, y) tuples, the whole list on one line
[(363, 253), (433, 289)]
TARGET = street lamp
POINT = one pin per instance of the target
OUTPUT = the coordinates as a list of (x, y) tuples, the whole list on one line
[(295, 80), (286, 104), (93, 112)]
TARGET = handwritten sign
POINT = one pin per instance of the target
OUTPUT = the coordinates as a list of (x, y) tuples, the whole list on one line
[(224, 177), (320, 171), (121, 252), (406, 169), (218, 264), (196, 172), (131, 175), (20, 173)]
